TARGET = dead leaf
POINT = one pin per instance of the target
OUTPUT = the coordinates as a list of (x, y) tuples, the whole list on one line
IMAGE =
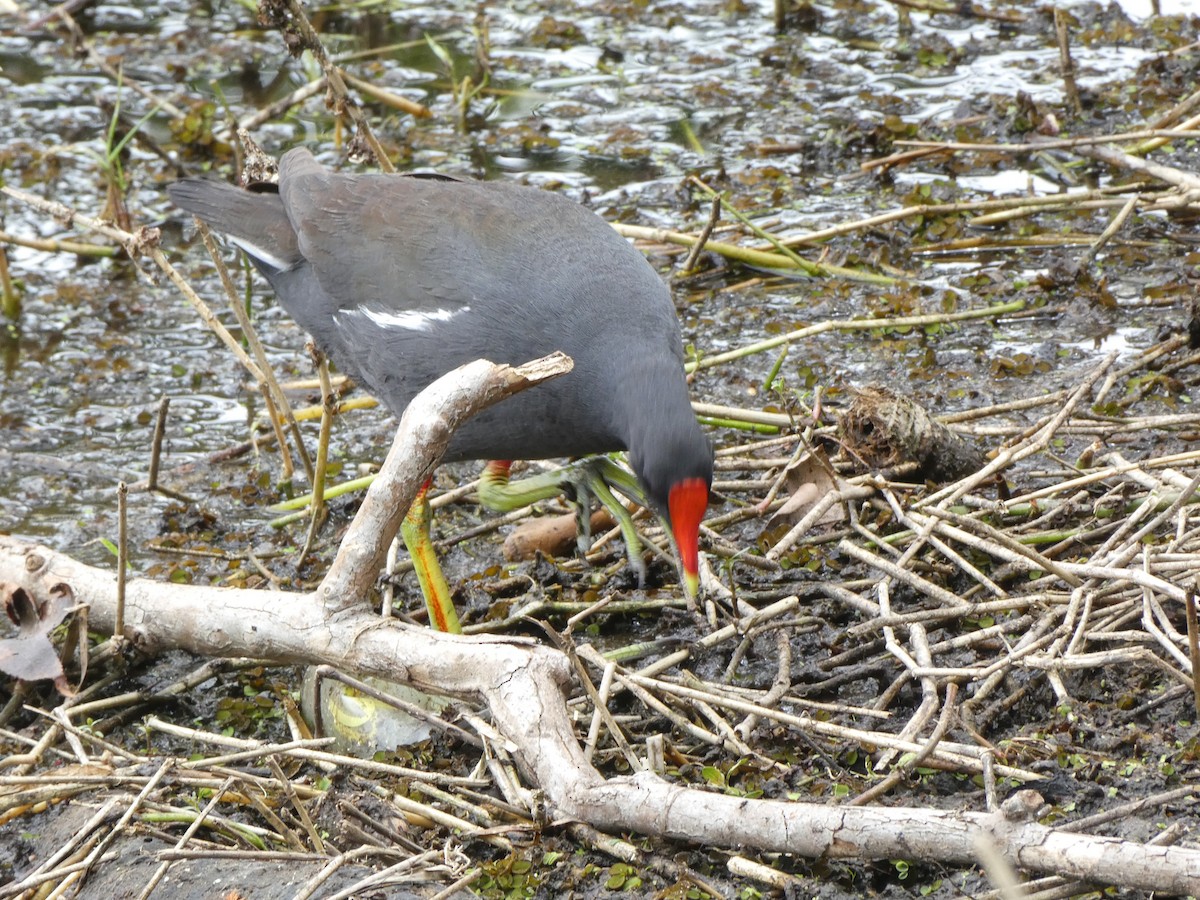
[(31, 656), (809, 479)]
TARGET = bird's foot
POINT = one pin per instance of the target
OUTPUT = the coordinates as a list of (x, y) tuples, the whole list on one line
[(592, 477)]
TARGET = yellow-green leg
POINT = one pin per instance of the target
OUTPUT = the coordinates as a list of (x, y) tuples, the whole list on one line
[(438, 600)]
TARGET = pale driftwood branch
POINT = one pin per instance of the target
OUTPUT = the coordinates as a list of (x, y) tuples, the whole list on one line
[(523, 682), (424, 432)]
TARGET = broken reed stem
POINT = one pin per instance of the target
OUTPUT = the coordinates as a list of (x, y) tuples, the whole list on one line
[(1193, 637), (762, 259), (991, 312), (333, 74), (264, 375), (375, 92), (1065, 63), (10, 300), (316, 509), (53, 245), (714, 217), (1056, 144), (122, 556), (808, 268), (156, 442)]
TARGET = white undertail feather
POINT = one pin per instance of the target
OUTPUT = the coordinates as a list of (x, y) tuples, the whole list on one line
[(263, 256)]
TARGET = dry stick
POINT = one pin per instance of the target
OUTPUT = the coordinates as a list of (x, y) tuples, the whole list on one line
[(458, 888), (1064, 240), (333, 74), (1154, 143), (418, 110), (1068, 200), (1166, 636), (909, 763), (379, 827), (1193, 633), (919, 668), (999, 309), (1113, 227), (366, 885), (273, 397), (122, 556), (10, 302), (599, 707), (603, 694), (1150, 201), (1176, 112), (189, 832), (895, 160), (697, 248), (589, 653), (477, 814), (1170, 174), (1065, 63), (279, 107), (1037, 442), (504, 775), (731, 740), (846, 495), (912, 579), (781, 684), (317, 507), (273, 417), (1058, 144), (742, 868), (156, 442), (52, 245)]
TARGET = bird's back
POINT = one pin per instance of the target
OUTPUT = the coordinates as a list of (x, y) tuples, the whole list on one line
[(400, 279)]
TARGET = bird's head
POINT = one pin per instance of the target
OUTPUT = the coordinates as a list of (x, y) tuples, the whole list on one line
[(677, 478)]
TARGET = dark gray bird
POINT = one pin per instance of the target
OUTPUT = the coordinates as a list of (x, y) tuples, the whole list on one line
[(400, 279)]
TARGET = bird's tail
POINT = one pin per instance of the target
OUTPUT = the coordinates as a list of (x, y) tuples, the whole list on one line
[(256, 222)]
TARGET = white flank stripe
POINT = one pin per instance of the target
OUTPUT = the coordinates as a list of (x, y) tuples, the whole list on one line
[(410, 320)]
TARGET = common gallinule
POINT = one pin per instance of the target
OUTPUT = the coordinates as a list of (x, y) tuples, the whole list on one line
[(401, 278)]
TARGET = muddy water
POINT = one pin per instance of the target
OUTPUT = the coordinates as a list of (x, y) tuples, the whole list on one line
[(611, 103)]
